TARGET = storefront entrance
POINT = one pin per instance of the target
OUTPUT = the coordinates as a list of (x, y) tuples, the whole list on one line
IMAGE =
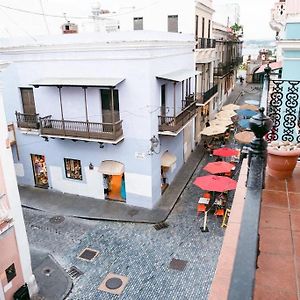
[(39, 171), (113, 180)]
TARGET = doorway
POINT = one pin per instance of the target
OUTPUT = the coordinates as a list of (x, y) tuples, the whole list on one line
[(163, 103), (39, 171)]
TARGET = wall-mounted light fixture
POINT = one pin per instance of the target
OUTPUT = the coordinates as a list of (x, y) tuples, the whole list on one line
[(91, 166), (154, 144), (101, 145)]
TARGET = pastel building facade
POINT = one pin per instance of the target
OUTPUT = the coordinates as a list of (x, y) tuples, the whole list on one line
[(107, 116), (15, 262)]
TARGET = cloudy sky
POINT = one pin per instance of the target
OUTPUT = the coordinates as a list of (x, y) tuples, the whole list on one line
[(255, 15)]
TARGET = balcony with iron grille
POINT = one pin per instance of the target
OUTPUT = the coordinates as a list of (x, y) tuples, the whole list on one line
[(223, 69), (172, 125), (81, 130), (27, 121), (205, 97), (205, 43)]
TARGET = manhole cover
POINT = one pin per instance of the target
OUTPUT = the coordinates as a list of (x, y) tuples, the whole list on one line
[(57, 219), (161, 225), (133, 212), (177, 264), (113, 283), (88, 254), (74, 272)]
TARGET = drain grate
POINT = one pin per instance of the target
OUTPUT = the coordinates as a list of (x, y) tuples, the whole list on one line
[(177, 264), (161, 225), (57, 219), (74, 272), (133, 212), (88, 254)]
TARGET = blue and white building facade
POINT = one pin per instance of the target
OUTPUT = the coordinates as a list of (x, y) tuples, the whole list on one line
[(104, 115)]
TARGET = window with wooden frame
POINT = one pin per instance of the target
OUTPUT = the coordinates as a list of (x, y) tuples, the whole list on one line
[(73, 168), (173, 23), (138, 23), (10, 273), (28, 101)]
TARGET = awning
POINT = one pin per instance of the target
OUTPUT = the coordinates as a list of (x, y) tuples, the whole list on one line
[(274, 66), (168, 159), (78, 82), (179, 75), (111, 167)]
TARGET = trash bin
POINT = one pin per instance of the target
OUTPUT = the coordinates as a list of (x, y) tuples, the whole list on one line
[(22, 293)]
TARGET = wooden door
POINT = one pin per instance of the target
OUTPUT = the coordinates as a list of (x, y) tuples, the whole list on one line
[(28, 101)]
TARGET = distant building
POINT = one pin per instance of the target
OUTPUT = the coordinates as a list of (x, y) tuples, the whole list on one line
[(15, 262)]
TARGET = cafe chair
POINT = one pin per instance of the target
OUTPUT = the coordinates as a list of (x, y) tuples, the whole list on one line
[(219, 212), (201, 208), (206, 195)]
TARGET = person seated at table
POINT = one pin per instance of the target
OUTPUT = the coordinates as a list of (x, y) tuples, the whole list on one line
[(218, 159), (206, 195), (221, 199)]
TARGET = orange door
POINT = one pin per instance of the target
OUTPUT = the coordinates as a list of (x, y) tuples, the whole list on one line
[(115, 187)]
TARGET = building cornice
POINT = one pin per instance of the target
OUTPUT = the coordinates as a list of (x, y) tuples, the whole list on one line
[(204, 8), (289, 44)]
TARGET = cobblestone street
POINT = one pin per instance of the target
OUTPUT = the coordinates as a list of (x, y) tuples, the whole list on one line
[(137, 251)]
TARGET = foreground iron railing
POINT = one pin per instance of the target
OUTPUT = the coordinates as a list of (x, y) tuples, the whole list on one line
[(204, 43), (245, 263), (283, 107), (80, 129), (30, 121), (173, 124), (223, 70)]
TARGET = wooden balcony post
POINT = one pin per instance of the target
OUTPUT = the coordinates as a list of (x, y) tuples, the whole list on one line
[(174, 100), (113, 110), (86, 111), (61, 110)]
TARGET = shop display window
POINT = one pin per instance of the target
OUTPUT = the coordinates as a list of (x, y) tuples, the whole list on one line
[(73, 168)]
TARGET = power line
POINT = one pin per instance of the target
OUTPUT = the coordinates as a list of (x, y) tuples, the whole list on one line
[(44, 17)]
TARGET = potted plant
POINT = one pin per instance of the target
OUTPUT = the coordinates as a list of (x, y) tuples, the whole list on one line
[(282, 158)]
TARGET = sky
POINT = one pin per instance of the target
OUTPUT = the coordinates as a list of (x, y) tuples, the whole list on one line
[(254, 15)]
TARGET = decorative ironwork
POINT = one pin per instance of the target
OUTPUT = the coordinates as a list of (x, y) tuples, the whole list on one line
[(274, 109), (283, 109)]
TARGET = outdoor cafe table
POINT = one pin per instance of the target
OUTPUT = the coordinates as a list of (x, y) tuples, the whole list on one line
[(203, 200)]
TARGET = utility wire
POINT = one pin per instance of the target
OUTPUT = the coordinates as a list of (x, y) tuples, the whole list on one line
[(44, 16)]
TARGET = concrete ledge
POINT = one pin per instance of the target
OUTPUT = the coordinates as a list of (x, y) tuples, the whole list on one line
[(221, 282)]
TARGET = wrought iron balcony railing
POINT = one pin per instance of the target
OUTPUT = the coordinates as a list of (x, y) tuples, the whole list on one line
[(30, 121), (80, 129), (223, 70), (205, 43), (283, 107), (204, 97), (174, 124)]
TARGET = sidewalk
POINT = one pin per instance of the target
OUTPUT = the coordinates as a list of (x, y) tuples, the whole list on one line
[(77, 206)]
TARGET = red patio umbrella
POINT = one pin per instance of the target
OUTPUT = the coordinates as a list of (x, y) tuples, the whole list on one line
[(225, 152), (218, 167), (215, 183)]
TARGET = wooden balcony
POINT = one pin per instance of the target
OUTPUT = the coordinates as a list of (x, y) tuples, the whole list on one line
[(27, 120), (80, 130), (175, 124)]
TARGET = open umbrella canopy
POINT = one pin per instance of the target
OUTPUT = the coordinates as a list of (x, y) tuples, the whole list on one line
[(246, 113), (222, 122), (214, 130), (215, 183), (249, 106), (244, 137), (225, 114), (230, 107), (225, 152), (218, 167), (244, 123)]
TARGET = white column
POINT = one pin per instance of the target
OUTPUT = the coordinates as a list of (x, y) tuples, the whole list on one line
[(14, 197), (211, 73)]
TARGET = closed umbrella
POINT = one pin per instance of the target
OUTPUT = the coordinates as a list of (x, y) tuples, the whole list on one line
[(218, 167), (244, 123), (249, 106), (244, 137), (225, 152), (214, 130), (215, 183), (246, 113), (230, 107)]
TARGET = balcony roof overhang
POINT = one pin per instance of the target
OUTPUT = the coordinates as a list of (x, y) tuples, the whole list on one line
[(78, 82), (179, 75)]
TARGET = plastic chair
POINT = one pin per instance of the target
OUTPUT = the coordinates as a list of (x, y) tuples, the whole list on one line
[(219, 212), (206, 195), (201, 208)]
